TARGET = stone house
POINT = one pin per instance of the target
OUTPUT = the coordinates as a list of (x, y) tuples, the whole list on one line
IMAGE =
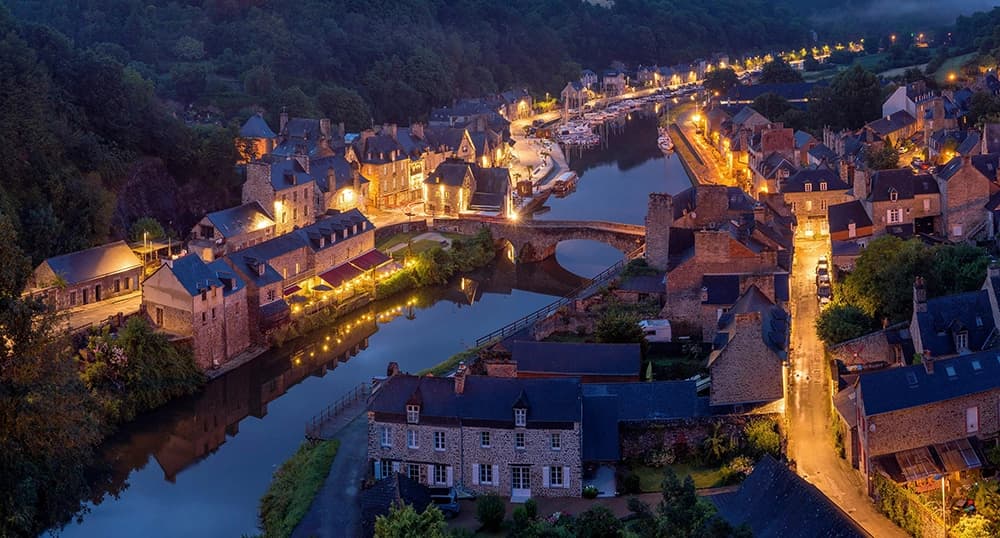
[(387, 165), (86, 276), (266, 304), (612, 83), (900, 202), (959, 396), (944, 144), (575, 95), (457, 186), (445, 143), (895, 128), (222, 232), (810, 192), (519, 438), (284, 188), (206, 302), (256, 138), (587, 362), (588, 78), (891, 346), (514, 104), (965, 192), (768, 173), (492, 151), (750, 353), (951, 324)]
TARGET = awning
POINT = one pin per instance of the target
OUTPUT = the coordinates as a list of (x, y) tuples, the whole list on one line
[(372, 258), (340, 274), (958, 455), (916, 463), (322, 287), (292, 289)]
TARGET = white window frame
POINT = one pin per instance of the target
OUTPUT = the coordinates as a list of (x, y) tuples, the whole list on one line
[(927, 204), (486, 474), (555, 472), (555, 441), (520, 416), (894, 216), (386, 437), (440, 473), (439, 440), (519, 441), (961, 341), (893, 195), (412, 439), (808, 187), (822, 185), (484, 439), (411, 469), (412, 414)]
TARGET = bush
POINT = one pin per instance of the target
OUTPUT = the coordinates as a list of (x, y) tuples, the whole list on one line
[(736, 469), (762, 437), (531, 507), (597, 522), (293, 487), (660, 458), (490, 511), (521, 520), (630, 484), (590, 492)]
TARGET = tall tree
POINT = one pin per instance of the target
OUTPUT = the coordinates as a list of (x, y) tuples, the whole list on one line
[(778, 71), (719, 81)]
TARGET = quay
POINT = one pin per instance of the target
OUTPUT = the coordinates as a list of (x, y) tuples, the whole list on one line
[(693, 164)]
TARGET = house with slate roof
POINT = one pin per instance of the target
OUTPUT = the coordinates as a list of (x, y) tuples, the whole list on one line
[(513, 104), (900, 202), (850, 230), (750, 355), (256, 138), (284, 188), (221, 232), (386, 163), (769, 172), (894, 128), (951, 324), (965, 193), (613, 82), (763, 500), (894, 407), (457, 186), (86, 276), (575, 94), (519, 438), (203, 302), (809, 192)]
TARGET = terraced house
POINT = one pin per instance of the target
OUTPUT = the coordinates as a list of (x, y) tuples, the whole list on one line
[(511, 436)]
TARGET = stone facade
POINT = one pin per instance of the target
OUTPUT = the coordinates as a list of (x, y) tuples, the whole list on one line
[(87, 276), (810, 208), (746, 370), (964, 195), (291, 203), (659, 219)]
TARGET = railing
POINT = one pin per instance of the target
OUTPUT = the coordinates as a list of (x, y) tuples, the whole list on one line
[(549, 309), (314, 426)]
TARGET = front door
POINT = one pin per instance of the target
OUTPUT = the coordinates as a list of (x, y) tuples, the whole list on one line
[(97, 293), (520, 481)]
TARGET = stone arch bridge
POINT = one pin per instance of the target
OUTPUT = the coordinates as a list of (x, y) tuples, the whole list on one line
[(536, 240)]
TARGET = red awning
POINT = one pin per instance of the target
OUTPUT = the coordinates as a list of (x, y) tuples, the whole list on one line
[(340, 274), (372, 258), (291, 290)]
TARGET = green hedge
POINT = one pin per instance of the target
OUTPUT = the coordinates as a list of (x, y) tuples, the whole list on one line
[(294, 486)]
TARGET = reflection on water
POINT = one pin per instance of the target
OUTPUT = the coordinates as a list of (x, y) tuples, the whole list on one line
[(198, 466)]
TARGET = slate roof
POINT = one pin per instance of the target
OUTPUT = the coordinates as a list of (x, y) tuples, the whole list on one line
[(774, 162), (240, 220), (284, 169), (328, 227), (95, 262), (446, 138), (820, 152), (774, 320), (231, 281), (572, 358), (376, 500), (256, 127), (814, 176), (988, 165), (644, 284), (600, 428), (343, 173), (722, 289), (194, 274), (650, 400), (951, 314), (911, 386), (379, 148), (746, 114), (802, 138), (896, 121), (272, 248), (766, 499), (451, 173), (846, 404), (903, 181), (484, 398)]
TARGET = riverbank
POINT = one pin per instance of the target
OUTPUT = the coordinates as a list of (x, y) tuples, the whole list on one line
[(294, 486)]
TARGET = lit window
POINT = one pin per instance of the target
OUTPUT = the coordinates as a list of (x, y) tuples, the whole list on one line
[(438, 440), (809, 187), (555, 441), (822, 185), (520, 417), (894, 216), (484, 439), (412, 414), (411, 439)]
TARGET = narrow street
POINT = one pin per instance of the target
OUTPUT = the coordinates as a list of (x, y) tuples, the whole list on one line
[(810, 437), (717, 169)]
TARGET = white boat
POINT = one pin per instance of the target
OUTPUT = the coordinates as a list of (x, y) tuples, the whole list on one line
[(664, 142)]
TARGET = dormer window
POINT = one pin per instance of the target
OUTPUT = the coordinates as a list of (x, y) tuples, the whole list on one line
[(962, 341), (893, 195), (822, 185), (412, 414), (809, 187), (520, 417)]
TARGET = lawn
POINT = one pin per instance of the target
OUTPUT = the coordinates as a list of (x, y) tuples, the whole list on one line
[(293, 487), (651, 478), (567, 337), (401, 238), (871, 61), (952, 65), (416, 248)]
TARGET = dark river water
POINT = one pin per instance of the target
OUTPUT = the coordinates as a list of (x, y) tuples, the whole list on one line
[(198, 466)]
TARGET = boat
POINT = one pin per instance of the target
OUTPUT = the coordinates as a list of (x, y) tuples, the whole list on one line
[(664, 142), (564, 183)]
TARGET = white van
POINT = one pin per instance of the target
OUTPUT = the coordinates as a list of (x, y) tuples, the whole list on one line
[(656, 330)]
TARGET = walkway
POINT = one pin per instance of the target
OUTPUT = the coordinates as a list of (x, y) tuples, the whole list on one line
[(810, 439), (713, 168), (334, 511), (96, 313)]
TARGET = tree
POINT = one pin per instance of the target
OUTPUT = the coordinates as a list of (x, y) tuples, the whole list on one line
[(342, 104), (258, 81), (777, 71), (15, 267), (771, 105), (842, 322), (884, 158), (719, 81), (404, 522), (490, 511), (974, 526), (983, 107), (597, 522), (189, 80), (852, 99), (618, 328), (717, 445), (146, 228)]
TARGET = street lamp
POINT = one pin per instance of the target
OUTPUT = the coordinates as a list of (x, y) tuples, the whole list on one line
[(944, 504)]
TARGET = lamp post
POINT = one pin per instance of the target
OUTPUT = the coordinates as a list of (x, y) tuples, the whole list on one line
[(145, 252), (944, 505)]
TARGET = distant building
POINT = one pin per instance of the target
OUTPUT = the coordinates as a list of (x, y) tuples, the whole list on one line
[(575, 95), (457, 187), (222, 232), (86, 276), (256, 138), (810, 192)]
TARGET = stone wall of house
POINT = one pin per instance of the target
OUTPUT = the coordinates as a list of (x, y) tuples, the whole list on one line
[(964, 196), (463, 451), (447, 199), (659, 219), (237, 323), (345, 249), (71, 296), (293, 265), (908, 428), (746, 370), (811, 208), (257, 187)]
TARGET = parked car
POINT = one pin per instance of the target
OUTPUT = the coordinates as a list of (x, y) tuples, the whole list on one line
[(446, 501), (824, 293)]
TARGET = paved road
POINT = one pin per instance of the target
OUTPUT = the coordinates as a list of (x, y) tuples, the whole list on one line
[(334, 512), (718, 170), (810, 437)]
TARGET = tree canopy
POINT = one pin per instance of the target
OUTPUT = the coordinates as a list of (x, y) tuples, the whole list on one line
[(777, 71)]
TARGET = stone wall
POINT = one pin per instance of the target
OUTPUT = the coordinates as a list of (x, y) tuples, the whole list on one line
[(964, 196), (746, 370), (684, 436), (659, 219), (870, 348)]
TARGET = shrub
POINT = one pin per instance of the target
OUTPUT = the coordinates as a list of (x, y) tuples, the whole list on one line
[(630, 483), (590, 492), (736, 469), (763, 437), (531, 507), (490, 511), (659, 458), (521, 520), (597, 522)]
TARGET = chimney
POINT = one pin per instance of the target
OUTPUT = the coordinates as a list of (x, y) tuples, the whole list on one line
[(389, 129), (460, 378), (392, 369), (993, 271), (919, 295), (928, 361), (284, 121), (417, 130), (860, 183), (324, 128), (357, 181)]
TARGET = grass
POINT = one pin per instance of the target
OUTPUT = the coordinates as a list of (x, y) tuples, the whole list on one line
[(294, 486), (651, 478), (870, 61), (569, 337), (667, 368), (416, 248), (451, 363), (952, 65), (402, 238)]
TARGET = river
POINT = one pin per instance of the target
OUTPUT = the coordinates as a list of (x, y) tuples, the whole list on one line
[(198, 466)]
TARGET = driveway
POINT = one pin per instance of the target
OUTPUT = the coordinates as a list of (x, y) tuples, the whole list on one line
[(334, 512), (810, 438)]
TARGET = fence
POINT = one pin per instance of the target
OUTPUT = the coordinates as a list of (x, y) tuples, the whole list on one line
[(315, 426), (551, 308)]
